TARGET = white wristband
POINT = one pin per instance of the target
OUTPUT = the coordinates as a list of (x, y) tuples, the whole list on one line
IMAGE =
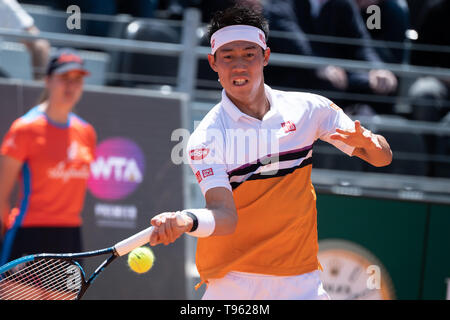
[(205, 222)]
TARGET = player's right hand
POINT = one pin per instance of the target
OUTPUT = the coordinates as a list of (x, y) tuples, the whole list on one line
[(169, 226)]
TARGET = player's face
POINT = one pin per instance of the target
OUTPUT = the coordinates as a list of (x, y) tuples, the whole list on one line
[(240, 65), (66, 88)]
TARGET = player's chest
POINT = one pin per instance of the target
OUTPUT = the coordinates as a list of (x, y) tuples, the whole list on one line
[(278, 133), (267, 141)]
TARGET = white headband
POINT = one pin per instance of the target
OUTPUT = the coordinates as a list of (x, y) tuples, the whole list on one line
[(236, 33)]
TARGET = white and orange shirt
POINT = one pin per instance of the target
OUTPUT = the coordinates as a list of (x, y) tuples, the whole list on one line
[(267, 165)]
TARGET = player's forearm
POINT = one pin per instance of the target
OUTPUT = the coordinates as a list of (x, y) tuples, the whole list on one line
[(226, 221), (375, 156), (221, 204)]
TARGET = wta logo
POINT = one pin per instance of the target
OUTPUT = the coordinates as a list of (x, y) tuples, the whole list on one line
[(118, 169)]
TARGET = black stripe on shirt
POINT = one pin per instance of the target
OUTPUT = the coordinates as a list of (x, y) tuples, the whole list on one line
[(270, 160), (277, 173)]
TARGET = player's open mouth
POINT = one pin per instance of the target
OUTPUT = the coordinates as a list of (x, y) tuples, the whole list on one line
[(240, 82)]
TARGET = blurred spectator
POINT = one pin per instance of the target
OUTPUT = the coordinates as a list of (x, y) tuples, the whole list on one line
[(175, 8), (281, 16), (206, 7), (430, 95), (137, 8), (102, 28), (416, 9), (93, 27), (341, 18), (13, 16), (434, 29), (394, 24)]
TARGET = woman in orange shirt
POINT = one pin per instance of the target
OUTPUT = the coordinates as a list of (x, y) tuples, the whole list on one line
[(48, 150)]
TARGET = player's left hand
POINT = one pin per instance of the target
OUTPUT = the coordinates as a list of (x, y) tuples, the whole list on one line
[(358, 138)]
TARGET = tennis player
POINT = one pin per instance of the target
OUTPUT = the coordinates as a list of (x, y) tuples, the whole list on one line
[(48, 150), (257, 236)]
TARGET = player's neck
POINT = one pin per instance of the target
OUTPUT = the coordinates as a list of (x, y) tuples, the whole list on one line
[(255, 107), (58, 114)]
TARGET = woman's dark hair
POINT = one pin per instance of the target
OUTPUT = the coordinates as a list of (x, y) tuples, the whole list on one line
[(238, 15)]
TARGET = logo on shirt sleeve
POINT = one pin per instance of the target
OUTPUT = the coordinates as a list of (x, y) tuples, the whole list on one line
[(288, 126), (198, 154), (207, 172), (198, 175)]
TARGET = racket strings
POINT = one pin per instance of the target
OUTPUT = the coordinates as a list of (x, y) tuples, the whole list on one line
[(17, 281), (45, 282), (51, 293), (43, 279), (39, 281)]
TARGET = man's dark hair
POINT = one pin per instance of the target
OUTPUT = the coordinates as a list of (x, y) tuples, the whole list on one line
[(238, 15)]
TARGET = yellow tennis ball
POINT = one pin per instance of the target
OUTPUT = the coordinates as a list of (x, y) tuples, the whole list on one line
[(141, 259)]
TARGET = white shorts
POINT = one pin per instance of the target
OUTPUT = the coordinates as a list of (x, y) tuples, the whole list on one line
[(250, 286)]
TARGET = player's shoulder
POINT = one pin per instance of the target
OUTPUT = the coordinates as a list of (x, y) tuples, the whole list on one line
[(212, 118), (302, 99), (212, 124)]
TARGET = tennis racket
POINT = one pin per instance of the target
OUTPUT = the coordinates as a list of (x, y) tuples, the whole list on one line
[(48, 276)]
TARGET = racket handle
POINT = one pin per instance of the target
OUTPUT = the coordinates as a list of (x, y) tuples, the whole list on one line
[(139, 239)]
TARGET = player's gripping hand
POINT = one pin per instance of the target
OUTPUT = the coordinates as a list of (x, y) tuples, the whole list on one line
[(169, 226), (358, 138)]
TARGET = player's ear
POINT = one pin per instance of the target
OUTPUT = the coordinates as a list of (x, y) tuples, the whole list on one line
[(212, 62), (266, 56)]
